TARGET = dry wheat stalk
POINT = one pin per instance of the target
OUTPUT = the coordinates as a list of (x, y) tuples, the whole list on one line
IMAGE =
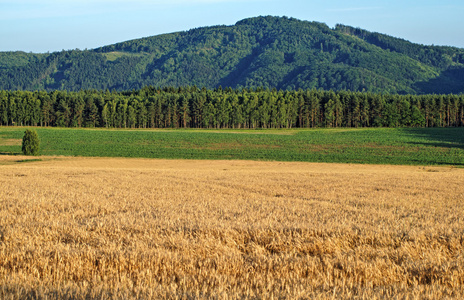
[(133, 228)]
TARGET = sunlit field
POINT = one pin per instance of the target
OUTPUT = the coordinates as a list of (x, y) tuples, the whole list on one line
[(115, 228)]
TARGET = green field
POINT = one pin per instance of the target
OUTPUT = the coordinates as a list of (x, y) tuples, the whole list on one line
[(408, 146)]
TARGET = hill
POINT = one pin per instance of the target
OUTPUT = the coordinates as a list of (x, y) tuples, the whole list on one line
[(274, 52)]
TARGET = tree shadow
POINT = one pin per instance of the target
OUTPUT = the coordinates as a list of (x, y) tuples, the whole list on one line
[(10, 153), (448, 82), (241, 70), (450, 137)]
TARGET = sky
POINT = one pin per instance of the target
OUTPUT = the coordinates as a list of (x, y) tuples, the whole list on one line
[(41, 26)]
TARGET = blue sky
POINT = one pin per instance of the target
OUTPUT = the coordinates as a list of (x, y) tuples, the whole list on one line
[(53, 25)]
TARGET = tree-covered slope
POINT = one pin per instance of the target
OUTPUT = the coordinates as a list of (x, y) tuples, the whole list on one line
[(271, 52)]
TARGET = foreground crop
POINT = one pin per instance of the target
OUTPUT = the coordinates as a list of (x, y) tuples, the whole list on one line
[(130, 228)]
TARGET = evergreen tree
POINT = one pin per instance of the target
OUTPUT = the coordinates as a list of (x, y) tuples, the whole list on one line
[(31, 143), (228, 108), (417, 118)]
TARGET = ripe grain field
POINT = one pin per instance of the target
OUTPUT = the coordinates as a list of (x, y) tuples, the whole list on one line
[(114, 228)]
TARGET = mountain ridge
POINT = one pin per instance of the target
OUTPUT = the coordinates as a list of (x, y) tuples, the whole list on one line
[(270, 52)]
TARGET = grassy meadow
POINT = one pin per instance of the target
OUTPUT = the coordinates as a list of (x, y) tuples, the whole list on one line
[(115, 228), (398, 146)]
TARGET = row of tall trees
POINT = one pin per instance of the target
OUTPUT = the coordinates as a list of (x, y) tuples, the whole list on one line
[(191, 107)]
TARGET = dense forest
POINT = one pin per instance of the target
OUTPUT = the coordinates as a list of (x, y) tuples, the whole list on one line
[(191, 107), (270, 52)]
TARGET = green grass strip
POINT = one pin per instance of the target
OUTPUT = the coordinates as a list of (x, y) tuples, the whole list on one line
[(398, 146)]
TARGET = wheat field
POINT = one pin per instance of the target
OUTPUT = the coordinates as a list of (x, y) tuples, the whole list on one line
[(98, 228)]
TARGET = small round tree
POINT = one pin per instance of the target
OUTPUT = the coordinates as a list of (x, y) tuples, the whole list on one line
[(31, 143)]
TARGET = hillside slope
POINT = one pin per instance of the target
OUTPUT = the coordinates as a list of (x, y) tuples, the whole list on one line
[(274, 52)]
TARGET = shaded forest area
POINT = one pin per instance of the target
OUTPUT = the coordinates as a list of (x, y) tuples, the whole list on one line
[(191, 107), (270, 52)]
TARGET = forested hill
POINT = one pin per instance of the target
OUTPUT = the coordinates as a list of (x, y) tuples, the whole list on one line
[(269, 52)]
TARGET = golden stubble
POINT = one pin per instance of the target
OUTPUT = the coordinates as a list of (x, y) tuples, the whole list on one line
[(139, 228)]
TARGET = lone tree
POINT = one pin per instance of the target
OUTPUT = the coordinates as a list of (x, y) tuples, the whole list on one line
[(31, 142)]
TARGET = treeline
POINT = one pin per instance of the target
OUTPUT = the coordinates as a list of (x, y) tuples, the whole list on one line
[(191, 107)]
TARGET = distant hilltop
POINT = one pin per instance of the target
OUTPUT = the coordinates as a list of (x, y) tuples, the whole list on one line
[(269, 52)]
